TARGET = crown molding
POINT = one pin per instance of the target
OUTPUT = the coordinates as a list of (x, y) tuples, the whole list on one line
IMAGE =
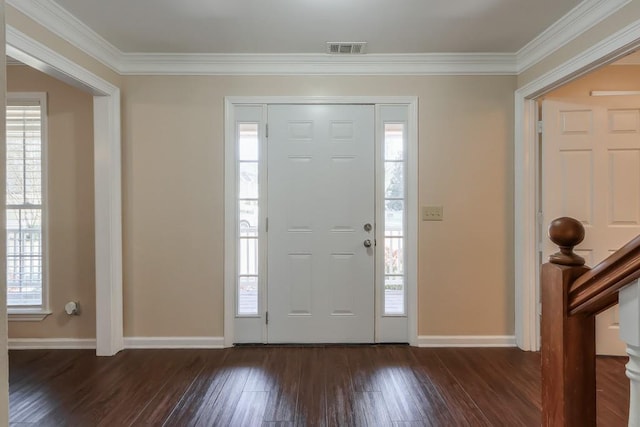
[(577, 21), (43, 58), (60, 22), (57, 20), (318, 64), (63, 24), (12, 62), (609, 50)]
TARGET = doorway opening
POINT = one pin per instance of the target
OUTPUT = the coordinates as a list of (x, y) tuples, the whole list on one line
[(530, 227), (107, 185)]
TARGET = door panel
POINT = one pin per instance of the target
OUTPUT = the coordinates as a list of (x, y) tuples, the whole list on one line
[(320, 195), (591, 171)]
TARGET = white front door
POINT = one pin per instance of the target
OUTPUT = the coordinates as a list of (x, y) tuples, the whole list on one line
[(591, 171), (321, 196)]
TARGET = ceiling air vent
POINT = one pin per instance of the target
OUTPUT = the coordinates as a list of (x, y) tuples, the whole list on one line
[(346, 48)]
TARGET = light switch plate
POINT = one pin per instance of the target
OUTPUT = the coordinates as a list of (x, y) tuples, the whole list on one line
[(432, 213)]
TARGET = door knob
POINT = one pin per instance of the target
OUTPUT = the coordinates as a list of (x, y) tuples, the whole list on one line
[(367, 243)]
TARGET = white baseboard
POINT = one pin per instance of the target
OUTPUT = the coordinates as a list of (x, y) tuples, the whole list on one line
[(218, 342), (129, 342), (466, 341), (51, 343), (173, 342)]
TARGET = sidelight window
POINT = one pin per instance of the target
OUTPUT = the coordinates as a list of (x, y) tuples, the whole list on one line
[(394, 218), (247, 215)]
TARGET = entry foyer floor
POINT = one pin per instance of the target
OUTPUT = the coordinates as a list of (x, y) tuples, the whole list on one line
[(378, 385)]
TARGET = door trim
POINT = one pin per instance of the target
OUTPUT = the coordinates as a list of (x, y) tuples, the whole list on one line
[(526, 163), (230, 236)]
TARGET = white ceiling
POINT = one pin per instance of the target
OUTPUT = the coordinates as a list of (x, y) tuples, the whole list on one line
[(304, 26)]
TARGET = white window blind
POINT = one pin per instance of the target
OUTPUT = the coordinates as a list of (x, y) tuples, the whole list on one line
[(25, 201)]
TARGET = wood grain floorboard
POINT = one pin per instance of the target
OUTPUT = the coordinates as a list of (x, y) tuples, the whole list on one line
[(59, 382), (270, 386), (204, 403), (490, 389), (262, 375), (135, 396), (458, 405), (174, 387), (425, 395), (249, 410), (370, 409), (311, 407), (610, 397), (339, 388), (284, 373), (94, 401), (392, 380), (363, 371)]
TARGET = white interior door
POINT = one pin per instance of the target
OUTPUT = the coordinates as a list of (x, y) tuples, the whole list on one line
[(321, 194), (591, 171)]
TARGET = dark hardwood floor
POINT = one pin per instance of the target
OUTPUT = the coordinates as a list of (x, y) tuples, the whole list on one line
[(282, 386)]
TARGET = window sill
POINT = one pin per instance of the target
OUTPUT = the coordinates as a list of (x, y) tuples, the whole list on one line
[(27, 315)]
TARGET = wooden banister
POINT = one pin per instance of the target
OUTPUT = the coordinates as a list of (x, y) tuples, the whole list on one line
[(597, 290), (572, 294)]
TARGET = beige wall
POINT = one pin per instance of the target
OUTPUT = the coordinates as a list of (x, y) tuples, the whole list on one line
[(173, 197), (612, 77), (71, 226), (625, 16), (173, 193)]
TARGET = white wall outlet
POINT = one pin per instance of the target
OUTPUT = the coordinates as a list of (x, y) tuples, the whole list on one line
[(432, 213)]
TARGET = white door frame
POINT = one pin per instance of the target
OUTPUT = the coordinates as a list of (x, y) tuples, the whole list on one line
[(412, 196), (108, 199), (526, 162)]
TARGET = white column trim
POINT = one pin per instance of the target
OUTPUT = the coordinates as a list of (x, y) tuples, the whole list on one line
[(412, 220), (526, 327), (108, 215), (629, 298), (633, 373), (108, 224), (230, 235)]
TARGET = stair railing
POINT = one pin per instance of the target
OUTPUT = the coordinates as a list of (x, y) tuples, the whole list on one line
[(572, 295)]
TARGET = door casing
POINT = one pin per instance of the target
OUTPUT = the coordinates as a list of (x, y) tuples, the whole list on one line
[(411, 103)]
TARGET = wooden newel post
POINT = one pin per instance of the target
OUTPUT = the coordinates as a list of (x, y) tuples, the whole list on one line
[(568, 342)]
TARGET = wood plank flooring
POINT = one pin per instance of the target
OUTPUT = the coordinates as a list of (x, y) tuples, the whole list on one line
[(385, 385)]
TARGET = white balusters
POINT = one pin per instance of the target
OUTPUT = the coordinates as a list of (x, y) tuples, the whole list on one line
[(630, 333)]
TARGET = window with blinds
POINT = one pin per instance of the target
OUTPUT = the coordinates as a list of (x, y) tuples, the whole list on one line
[(25, 200)]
